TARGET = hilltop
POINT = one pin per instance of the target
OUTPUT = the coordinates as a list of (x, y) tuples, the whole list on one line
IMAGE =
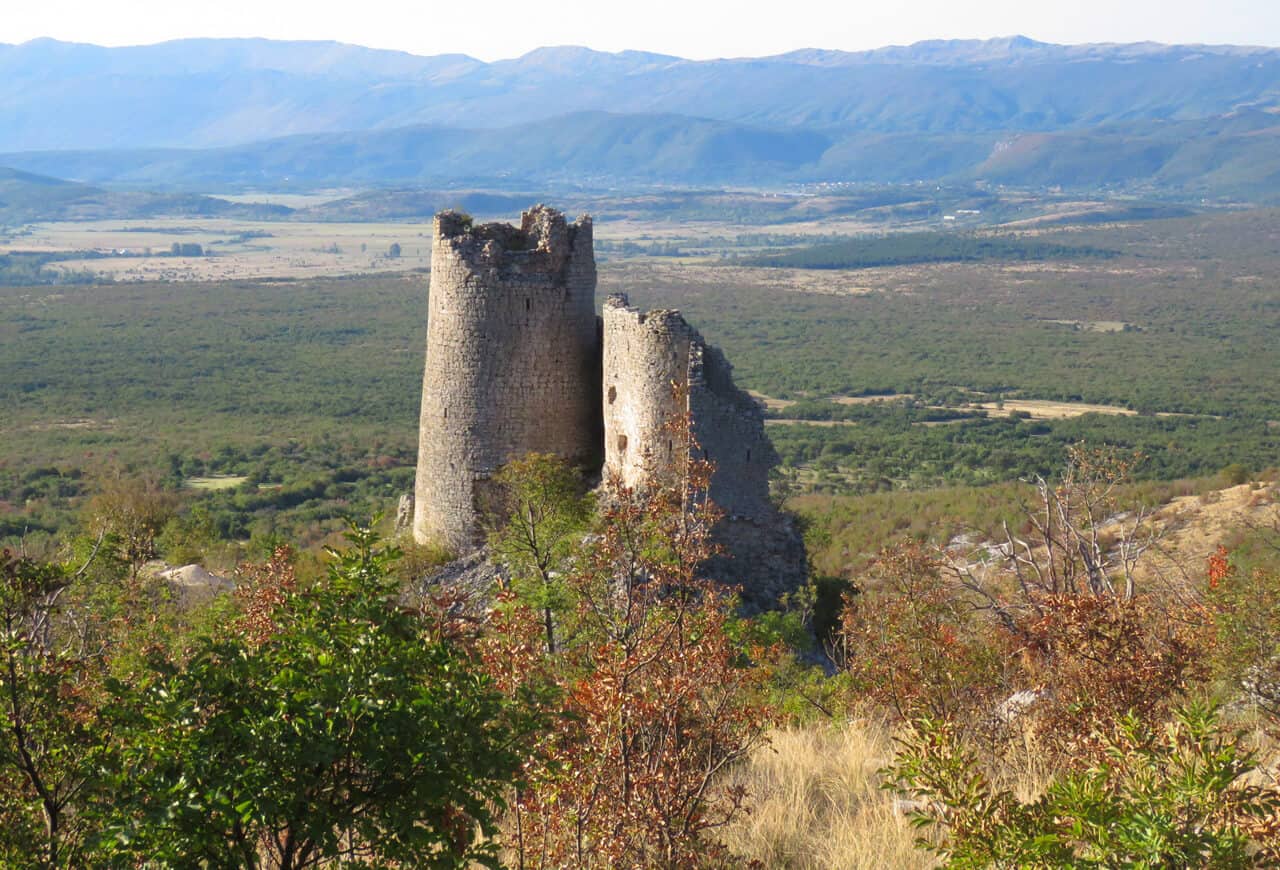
[(25, 196)]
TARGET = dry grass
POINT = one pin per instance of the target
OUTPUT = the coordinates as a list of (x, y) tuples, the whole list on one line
[(771, 403), (788, 421), (1045, 410), (817, 802), (871, 400), (1193, 526), (1092, 325), (215, 482), (289, 249)]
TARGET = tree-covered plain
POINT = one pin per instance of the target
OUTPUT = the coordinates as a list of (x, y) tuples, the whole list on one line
[(304, 395), (922, 247)]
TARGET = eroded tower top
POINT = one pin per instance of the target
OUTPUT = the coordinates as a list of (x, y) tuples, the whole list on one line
[(544, 241)]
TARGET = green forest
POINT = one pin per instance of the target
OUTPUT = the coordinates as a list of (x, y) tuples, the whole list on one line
[(309, 389), (901, 249)]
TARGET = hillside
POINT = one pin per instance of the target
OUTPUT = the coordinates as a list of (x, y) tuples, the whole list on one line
[(27, 197), (1228, 157), (653, 147)]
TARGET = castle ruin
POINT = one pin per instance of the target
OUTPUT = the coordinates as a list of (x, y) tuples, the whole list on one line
[(657, 366), (513, 355), (517, 362)]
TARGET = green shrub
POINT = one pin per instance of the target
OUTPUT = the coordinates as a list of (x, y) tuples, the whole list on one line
[(326, 724), (1172, 796)]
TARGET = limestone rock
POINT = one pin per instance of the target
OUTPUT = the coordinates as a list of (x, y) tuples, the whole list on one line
[(475, 575), (195, 584), (404, 514)]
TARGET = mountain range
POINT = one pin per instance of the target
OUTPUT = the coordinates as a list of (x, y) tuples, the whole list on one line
[(208, 114)]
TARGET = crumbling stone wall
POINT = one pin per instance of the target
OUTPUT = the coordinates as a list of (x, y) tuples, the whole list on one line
[(729, 427), (646, 357), (512, 364), (656, 366)]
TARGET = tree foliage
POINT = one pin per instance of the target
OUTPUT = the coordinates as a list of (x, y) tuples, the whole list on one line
[(535, 528), (51, 718), (329, 726), (658, 701), (909, 642)]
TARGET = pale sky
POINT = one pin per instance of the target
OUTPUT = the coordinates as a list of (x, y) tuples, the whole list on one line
[(492, 29)]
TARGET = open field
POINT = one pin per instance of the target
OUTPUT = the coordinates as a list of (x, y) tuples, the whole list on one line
[(785, 421), (291, 200), (234, 250), (1097, 325), (335, 232), (216, 482), (137, 250), (1042, 410), (1036, 409)]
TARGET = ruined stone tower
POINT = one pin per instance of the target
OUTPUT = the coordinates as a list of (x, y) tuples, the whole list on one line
[(513, 361), (655, 367), (646, 367), (518, 362)]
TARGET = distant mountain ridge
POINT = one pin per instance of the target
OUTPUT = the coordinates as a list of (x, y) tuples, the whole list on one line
[(1229, 157), (214, 92), (585, 144), (199, 114)]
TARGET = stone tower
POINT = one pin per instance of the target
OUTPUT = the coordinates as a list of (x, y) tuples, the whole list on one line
[(646, 358), (513, 361), (656, 366)]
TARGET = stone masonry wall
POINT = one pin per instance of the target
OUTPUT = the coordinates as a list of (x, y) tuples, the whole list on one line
[(645, 355), (729, 427), (512, 361)]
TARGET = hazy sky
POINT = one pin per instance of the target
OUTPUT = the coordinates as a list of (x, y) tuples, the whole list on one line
[(491, 29)]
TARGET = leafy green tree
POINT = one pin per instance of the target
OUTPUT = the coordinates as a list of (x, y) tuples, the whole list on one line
[(542, 513), (329, 726), (189, 537)]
